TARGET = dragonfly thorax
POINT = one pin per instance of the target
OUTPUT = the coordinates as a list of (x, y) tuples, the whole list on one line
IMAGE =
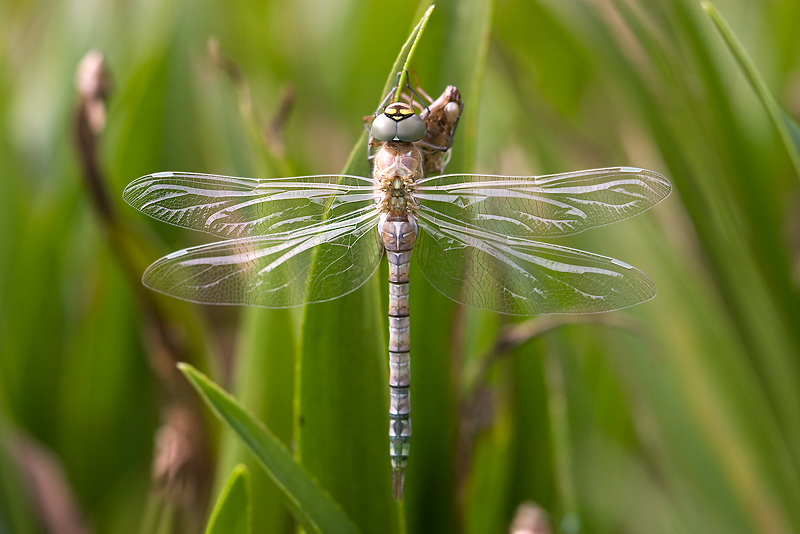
[(397, 167)]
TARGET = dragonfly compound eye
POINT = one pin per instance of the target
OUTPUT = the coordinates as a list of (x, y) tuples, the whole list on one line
[(383, 128), (398, 122), (411, 129)]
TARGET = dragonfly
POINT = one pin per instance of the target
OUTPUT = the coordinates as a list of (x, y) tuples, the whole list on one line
[(302, 240)]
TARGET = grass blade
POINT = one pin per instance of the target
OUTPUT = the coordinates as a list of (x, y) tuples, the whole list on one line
[(786, 127), (404, 74), (342, 382), (233, 510), (309, 503)]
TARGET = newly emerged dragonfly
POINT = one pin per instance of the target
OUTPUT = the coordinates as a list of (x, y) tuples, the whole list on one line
[(295, 241)]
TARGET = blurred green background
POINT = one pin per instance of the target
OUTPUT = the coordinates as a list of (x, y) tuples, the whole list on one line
[(678, 415)]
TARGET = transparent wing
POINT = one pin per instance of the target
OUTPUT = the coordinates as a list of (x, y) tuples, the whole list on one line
[(522, 277), (242, 207), (317, 264), (542, 206)]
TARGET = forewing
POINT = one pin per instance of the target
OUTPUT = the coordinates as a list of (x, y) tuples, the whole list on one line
[(243, 207), (522, 277), (315, 265), (542, 206)]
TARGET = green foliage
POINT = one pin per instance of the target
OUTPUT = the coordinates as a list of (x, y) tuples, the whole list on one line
[(679, 415), (311, 506), (335, 405), (785, 125), (233, 510)]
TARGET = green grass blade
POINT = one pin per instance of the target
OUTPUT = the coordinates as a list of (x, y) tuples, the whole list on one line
[(264, 384), (404, 74), (342, 383), (786, 127), (309, 503), (233, 510), (357, 163), (460, 32)]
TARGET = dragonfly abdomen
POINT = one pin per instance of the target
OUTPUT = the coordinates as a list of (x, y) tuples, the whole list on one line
[(398, 235)]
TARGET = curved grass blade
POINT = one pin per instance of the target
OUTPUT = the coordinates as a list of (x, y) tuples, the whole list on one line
[(264, 383), (310, 504), (401, 83), (357, 163), (460, 32), (341, 387), (234, 509), (786, 126)]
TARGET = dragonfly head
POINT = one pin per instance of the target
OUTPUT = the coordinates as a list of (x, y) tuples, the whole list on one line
[(398, 122)]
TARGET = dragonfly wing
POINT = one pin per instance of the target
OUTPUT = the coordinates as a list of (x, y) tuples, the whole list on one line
[(522, 277), (242, 207), (543, 206), (274, 271)]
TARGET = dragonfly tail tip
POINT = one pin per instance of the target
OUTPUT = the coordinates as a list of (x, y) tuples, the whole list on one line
[(398, 478)]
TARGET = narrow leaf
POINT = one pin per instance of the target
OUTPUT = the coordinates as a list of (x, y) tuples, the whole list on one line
[(401, 83), (309, 503), (233, 510), (341, 427), (357, 163), (787, 128)]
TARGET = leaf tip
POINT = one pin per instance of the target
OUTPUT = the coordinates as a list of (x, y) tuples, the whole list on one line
[(709, 8), (188, 370), (240, 470)]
